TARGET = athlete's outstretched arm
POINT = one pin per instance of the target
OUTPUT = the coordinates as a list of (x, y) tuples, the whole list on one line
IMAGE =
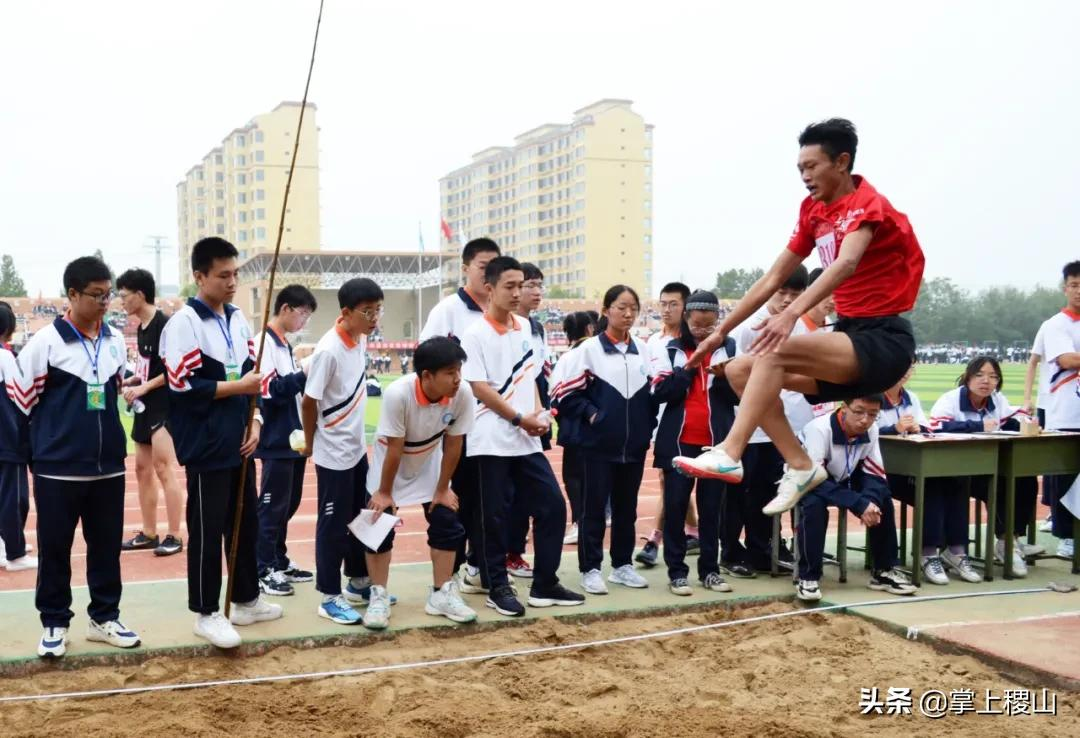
[(777, 328)]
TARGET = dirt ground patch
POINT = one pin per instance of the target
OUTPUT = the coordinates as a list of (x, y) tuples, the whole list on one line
[(797, 676)]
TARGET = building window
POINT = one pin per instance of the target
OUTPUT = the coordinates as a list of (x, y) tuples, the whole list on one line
[(259, 174), (201, 224), (260, 194), (200, 192), (219, 211), (241, 216), (219, 176), (219, 159), (243, 235), (260, 214), (241, 198), (241, 179), (260, 232), (220, 194), (258, 137), (240, 141), (648, 204), (240, 160), (259, 156), (220, 229)]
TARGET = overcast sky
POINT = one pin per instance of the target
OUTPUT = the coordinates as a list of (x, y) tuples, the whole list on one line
[(967, 114)]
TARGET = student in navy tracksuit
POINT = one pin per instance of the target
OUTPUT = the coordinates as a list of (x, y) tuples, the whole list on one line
[(700, 408), (608, 392), (282, 482), (579, 327), (14, 455), (69, 382)]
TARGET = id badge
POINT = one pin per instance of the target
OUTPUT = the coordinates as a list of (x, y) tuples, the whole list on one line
[(232, 372), (95, 396)]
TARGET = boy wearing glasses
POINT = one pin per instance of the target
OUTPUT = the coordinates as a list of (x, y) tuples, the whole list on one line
[(332, 412), (282, 482), (845, 445), (69, 383)]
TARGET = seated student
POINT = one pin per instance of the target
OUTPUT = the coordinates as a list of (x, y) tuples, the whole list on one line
[(422, 425), (608, 393), (976, 405), (699, 410), (846, 444), (578, 327)]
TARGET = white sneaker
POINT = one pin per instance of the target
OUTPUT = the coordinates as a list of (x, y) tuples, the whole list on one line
[(1065, 549), (961, 564), (377, 615), (3, 552), (1026, 549), (712, 463), (933, 569), (53, 643), (217, 629), (593, 583), (114, 633), (627, 577), (793, 486), (471, 583), (256, 611), (571, 536), (22, 563), (1047, 525), (808, 590), (446, 601), (1019, 566)]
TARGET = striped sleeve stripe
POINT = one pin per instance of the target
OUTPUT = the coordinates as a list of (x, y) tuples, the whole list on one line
[(660, 376), (873, 468), (1064, 381), (569, 386), (266, 383)]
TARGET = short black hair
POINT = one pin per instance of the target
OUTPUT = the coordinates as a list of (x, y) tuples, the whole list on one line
[(358, 290), (497, 266), (595, 316), (1072, 269), (798, 280), (678, 287), (478, 246), (531, 271), (437, 352), (295, 296), (875, 398), (835, 136), (137, 280), (617, 289), (207, 250), (813, 276), (576, 325), (83, 271), (7, 320)]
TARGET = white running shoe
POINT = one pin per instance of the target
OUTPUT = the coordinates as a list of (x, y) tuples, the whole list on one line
[(627, 577), (1028, 549), (377, 615), (256, 611), (712, 463), (446, 601), (961, 564), (793, 486), (570, 539), (217, 629), (22, 563), (808, 590), (1019, 566), (593, 583), (53, 643), (1065, 549), (471, 584), (114, 633), (933, 569), (1047, 525)]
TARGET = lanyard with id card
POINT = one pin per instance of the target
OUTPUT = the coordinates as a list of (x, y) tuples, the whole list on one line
[(232, 368), (95, 391)]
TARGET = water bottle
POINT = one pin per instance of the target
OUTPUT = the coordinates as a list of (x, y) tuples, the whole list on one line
[(137, 406)]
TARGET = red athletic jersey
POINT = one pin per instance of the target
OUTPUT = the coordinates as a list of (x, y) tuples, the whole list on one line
[(888, 276), (696, 430)]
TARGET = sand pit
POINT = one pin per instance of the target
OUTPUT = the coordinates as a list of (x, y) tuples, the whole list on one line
[(795, 677)]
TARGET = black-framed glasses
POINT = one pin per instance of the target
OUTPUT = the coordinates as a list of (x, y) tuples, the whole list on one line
[(103, 298)]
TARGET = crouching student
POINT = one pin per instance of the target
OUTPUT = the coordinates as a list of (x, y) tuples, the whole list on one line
[(332, 413), (608, 391), (976, 405), (422, 425), (699, 411), (845, 443)]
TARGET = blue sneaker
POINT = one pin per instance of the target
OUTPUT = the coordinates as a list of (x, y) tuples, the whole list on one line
[(362, 595), (340, 611)]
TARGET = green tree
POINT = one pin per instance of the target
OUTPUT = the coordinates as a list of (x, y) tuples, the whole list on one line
[(734, 283), (98, 254), (557, 293), (11, 284), (189, 290)]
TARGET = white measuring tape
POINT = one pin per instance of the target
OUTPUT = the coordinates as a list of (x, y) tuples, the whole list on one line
[(506, 654)]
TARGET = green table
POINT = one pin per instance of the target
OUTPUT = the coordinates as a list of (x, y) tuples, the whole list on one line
[(924, 457), (1053, 452)]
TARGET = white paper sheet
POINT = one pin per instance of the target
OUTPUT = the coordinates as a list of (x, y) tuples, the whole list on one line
[(372, 534)]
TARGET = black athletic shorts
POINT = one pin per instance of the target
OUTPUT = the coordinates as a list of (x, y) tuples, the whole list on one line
[(156, 415), (885, 348)]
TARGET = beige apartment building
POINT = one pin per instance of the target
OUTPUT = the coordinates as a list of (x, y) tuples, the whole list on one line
[(236, 191), (575, 199)]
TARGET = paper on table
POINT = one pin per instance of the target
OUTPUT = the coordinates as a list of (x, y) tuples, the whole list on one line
[(372, 534)]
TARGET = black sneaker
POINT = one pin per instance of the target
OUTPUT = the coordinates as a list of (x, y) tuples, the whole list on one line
[(785, 560), (294, 575), (555, 595), (139, 542), (273, 582), (738, 571), (501, 599), (693, 545), (647, 555), (169, 545)]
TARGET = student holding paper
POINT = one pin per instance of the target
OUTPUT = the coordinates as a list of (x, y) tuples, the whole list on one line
[(422, 425)]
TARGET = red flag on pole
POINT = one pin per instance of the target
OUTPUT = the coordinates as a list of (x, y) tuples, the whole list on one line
[(449, 234)]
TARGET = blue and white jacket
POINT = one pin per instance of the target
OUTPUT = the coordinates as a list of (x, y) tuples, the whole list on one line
[(890, 414), (195, 345), (14, 427), (66, 438), (569, 427), (954, 413), (613, 384), (671, 384), (855, 467), (282, 385)]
